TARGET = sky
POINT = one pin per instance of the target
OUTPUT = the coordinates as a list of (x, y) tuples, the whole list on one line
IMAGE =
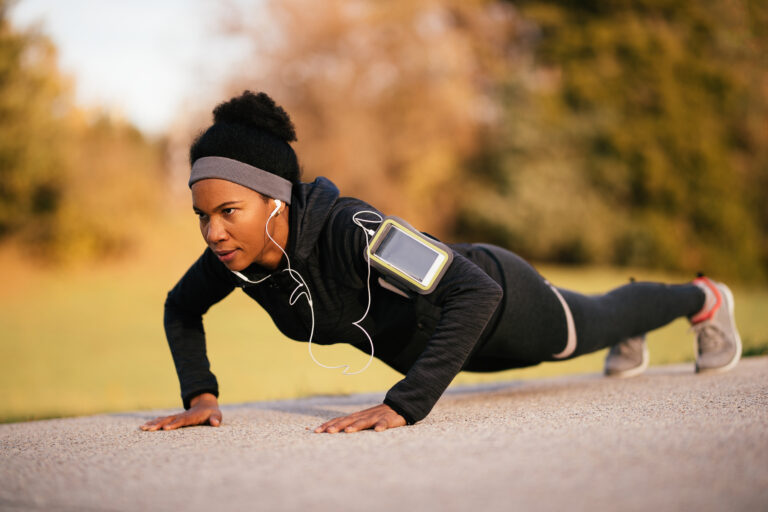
[(139, 58)]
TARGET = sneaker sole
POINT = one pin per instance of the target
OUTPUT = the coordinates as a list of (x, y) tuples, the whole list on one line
[(632, 372), (737, 354)]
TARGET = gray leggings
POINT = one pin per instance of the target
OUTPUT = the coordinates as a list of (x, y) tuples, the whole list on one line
[(531, 325)]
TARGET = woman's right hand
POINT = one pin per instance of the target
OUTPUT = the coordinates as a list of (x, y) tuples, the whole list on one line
[(203, 408)]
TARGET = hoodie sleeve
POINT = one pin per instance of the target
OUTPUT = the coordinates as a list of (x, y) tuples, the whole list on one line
[(466, 298), (205, 283)]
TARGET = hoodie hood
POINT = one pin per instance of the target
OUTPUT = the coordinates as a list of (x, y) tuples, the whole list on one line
[(311, 204)]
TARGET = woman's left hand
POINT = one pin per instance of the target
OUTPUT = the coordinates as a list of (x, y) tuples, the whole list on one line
[(379, 418)]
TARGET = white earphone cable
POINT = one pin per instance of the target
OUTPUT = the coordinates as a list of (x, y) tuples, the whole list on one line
[(301, 283)]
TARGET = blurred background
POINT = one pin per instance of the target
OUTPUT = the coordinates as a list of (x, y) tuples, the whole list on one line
[(597, 139)]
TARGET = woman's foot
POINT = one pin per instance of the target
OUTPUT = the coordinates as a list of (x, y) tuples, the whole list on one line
[(627, 358), (718, 344)]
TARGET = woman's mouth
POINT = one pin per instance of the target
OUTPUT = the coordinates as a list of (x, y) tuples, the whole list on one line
[(226, 256)]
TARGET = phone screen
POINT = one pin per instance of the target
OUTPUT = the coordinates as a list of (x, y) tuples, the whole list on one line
[(407, 254)]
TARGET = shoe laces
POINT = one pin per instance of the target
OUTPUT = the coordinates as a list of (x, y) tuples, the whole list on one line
[(708, 336)]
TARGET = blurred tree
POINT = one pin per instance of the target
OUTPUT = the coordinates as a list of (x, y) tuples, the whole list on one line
[(644, 141), (114, 187), (33, 107), (73, 183)]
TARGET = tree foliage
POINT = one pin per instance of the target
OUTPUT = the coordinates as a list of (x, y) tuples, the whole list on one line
[(73, 182), (32, 103), (648, 131)]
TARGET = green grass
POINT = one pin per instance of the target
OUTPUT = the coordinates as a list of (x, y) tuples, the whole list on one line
[(82, 341)]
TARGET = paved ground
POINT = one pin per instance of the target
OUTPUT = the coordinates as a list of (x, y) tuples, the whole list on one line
[(669, 440)]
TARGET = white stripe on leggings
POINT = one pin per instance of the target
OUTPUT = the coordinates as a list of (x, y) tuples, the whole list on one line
[(570, 346)]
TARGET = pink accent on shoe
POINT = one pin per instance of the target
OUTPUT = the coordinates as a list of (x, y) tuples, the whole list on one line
[(706, 313)]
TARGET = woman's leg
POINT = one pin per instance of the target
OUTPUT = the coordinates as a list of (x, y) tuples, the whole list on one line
[(628, 311), (533, 326)]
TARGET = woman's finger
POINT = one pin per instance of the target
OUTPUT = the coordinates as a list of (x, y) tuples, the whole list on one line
[(152, 423), (360, 424), (338, 424), (324, 426), (334, 420), (159, 420), (215, 419), (157, 423), (180, 420)]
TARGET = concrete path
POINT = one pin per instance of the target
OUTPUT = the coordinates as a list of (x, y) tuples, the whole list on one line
[(668, 440)]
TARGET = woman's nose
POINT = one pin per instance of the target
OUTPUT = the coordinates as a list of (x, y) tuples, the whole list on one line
[(215, 232)]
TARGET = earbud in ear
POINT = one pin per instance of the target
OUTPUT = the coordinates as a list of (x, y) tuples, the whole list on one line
[(278, 204)]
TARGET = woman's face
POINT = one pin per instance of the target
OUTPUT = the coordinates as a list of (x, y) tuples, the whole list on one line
[(232, 222)]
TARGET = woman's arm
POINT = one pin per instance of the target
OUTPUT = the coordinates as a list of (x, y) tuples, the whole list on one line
[(466, 298), (206, 282)]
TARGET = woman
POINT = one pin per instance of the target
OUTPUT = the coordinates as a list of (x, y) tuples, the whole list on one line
[(298, 249)]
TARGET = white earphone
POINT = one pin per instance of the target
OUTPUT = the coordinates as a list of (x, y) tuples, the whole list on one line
[(276, 211)]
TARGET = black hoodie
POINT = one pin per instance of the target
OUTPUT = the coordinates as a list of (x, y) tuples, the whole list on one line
[(428, 338)]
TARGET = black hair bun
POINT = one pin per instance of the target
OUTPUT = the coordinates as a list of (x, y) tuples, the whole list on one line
[(257, 111)]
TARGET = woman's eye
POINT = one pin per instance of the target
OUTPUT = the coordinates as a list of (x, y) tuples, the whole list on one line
[(228, 211)]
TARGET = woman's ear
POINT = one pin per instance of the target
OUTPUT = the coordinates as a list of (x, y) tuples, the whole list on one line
[(278, 207)]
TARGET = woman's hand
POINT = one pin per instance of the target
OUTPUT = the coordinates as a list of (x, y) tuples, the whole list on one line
[(204, 408), (380, 418)]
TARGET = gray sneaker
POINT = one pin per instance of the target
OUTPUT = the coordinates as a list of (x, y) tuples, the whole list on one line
[(717, 339), (627, 358)]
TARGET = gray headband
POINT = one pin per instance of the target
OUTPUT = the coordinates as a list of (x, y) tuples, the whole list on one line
[(243, 174)]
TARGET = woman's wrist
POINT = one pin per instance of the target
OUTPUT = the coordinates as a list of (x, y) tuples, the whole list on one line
[(208, 398)]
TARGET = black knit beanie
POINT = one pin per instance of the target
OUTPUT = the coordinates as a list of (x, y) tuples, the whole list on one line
[(251, 128)]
